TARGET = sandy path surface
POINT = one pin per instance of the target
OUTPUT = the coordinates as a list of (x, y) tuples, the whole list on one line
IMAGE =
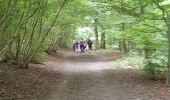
[(89, 76), (92, 76)]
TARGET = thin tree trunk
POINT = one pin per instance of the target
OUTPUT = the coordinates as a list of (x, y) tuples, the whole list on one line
[(128, 46), (168, 66), (120, 45), (124, 45), (26, 63), (123, 40), (96, 32), (13, 37), (7, 11), (103, 45), (18, 42)]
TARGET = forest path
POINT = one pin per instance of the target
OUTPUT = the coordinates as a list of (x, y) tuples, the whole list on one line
[(91, 76)]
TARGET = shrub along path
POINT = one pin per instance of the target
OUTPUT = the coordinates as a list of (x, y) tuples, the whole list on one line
[(75, 76)]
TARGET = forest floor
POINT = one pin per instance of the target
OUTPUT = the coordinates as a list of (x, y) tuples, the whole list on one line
[(76, 76)]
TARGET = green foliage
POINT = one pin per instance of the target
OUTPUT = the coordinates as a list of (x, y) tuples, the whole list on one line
[(131, 60)]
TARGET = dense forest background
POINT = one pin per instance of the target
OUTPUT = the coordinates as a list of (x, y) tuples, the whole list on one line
[(31, 28)]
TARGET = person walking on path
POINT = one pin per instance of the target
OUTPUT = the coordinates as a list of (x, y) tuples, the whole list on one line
[(75, 45), (82, 46), (89, 42)]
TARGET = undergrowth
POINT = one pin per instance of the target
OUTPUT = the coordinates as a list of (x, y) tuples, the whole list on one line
[(131, 60)]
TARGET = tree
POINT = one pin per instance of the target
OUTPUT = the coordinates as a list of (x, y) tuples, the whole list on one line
[(25, 35)]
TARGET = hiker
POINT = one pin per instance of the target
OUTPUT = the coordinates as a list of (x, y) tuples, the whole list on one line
[(89, 42), (82, 46), (73, 46), (76, 45)]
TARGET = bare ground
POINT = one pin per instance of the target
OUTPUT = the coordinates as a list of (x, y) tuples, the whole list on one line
[(75, 76)]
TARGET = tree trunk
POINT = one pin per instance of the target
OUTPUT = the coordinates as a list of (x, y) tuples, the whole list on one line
[(18, 42), (128, 46), (124, 46), (167, 21), (168, 66), (96, 33), (103, 44), (26, 60), (123, 41), (120, 45)]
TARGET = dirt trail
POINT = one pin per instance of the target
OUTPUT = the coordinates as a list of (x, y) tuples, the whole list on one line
[(90, 76), (87, 76)]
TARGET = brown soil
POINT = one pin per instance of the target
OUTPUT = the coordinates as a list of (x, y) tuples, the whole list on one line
[(76, 76)]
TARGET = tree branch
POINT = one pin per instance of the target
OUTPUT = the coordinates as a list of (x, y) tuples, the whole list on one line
[(164, 12)]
